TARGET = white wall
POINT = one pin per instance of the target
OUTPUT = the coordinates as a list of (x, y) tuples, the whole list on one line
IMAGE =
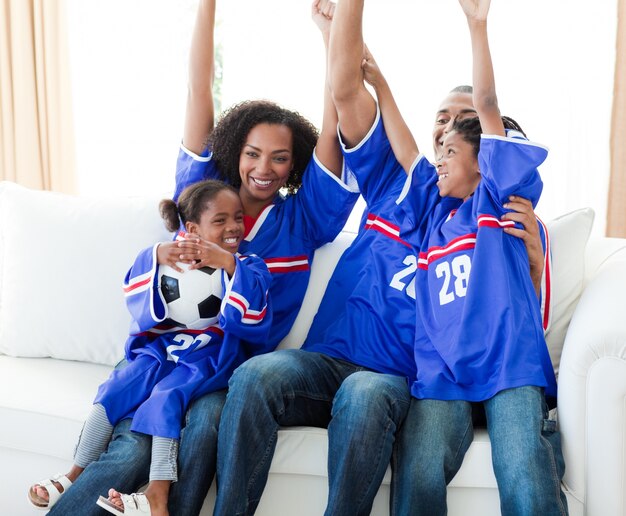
[(553, 60)]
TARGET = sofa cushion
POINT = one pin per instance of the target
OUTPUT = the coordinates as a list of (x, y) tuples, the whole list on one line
[(568, 236), (76, 312), (46, 401)]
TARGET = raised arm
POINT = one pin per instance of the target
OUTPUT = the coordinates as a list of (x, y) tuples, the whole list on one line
[(327, 149), (402, 142), (355, 105), (486, 104), (485, 99), (199, 114)]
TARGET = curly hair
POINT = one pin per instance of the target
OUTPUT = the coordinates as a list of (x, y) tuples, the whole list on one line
[(230, 133), (470, 130), (192, 202)]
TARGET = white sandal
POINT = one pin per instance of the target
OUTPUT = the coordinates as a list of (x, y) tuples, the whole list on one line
[(53, 491), (135, 504)]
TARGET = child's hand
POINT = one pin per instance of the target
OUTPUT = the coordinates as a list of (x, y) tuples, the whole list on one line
[(322, 12), (476, 10), (371, 71), (208, 254), (170, 253)]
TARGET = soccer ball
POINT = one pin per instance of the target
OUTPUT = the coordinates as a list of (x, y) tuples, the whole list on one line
[(193, 297)]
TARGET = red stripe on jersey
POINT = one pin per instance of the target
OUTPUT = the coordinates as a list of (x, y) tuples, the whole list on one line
[(166, 328), (548, 274), (246, 314), (385, 227), (288, 263), (490, 221), (257, 317), (461, 243), (134, 286), (493, 222)]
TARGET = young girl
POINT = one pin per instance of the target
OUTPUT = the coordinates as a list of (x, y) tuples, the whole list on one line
[(483, 337), (169, 366)]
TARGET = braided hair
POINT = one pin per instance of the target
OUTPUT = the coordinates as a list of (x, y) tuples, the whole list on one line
[(230, 133), (470, 130), (192, 202)]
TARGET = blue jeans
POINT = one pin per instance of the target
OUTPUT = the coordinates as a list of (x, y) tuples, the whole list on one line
[(125, 464), (296, 387), (526, 454)]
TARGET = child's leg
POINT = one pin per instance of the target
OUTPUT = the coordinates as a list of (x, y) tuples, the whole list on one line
[(164, 457), (429, 450), (526, 453), (93, 440), (163, 471)]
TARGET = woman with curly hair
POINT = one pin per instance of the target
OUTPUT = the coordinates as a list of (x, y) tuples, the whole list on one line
[(289, 180)]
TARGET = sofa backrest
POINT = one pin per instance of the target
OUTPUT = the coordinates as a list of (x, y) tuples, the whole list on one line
[(62, 263), (324, 262), (58, 300)]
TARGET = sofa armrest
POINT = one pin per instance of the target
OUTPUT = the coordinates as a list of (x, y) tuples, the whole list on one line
[(592, 395)]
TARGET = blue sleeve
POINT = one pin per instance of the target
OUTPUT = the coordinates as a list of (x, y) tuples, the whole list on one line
[(373, 163), (508, 167), (143, 296), (322, 205), (191, 168), (246, 310), (420, 194)]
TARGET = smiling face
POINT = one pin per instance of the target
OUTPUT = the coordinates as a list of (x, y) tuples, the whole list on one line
[(221, 222), (456, 106), (457, 168), (265, 162)]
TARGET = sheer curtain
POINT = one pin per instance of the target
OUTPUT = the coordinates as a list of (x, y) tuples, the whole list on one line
[(616, 213), (36, 128)]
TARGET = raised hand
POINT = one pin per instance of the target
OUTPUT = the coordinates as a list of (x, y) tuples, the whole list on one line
[(322, 12), (475, 9)]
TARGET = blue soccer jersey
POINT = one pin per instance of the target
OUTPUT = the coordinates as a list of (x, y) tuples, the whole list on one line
[(288, 231), (481, 316), (367, 314), (169, 366)]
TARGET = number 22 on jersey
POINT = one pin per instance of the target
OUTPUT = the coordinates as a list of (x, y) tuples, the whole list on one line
[(400, 279)]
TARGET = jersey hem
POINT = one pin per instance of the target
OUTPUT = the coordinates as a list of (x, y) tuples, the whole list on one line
[(329, 173), (347, 150), (194, 155)]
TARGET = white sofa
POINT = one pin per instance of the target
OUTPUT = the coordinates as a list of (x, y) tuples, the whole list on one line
[(63, 324)]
